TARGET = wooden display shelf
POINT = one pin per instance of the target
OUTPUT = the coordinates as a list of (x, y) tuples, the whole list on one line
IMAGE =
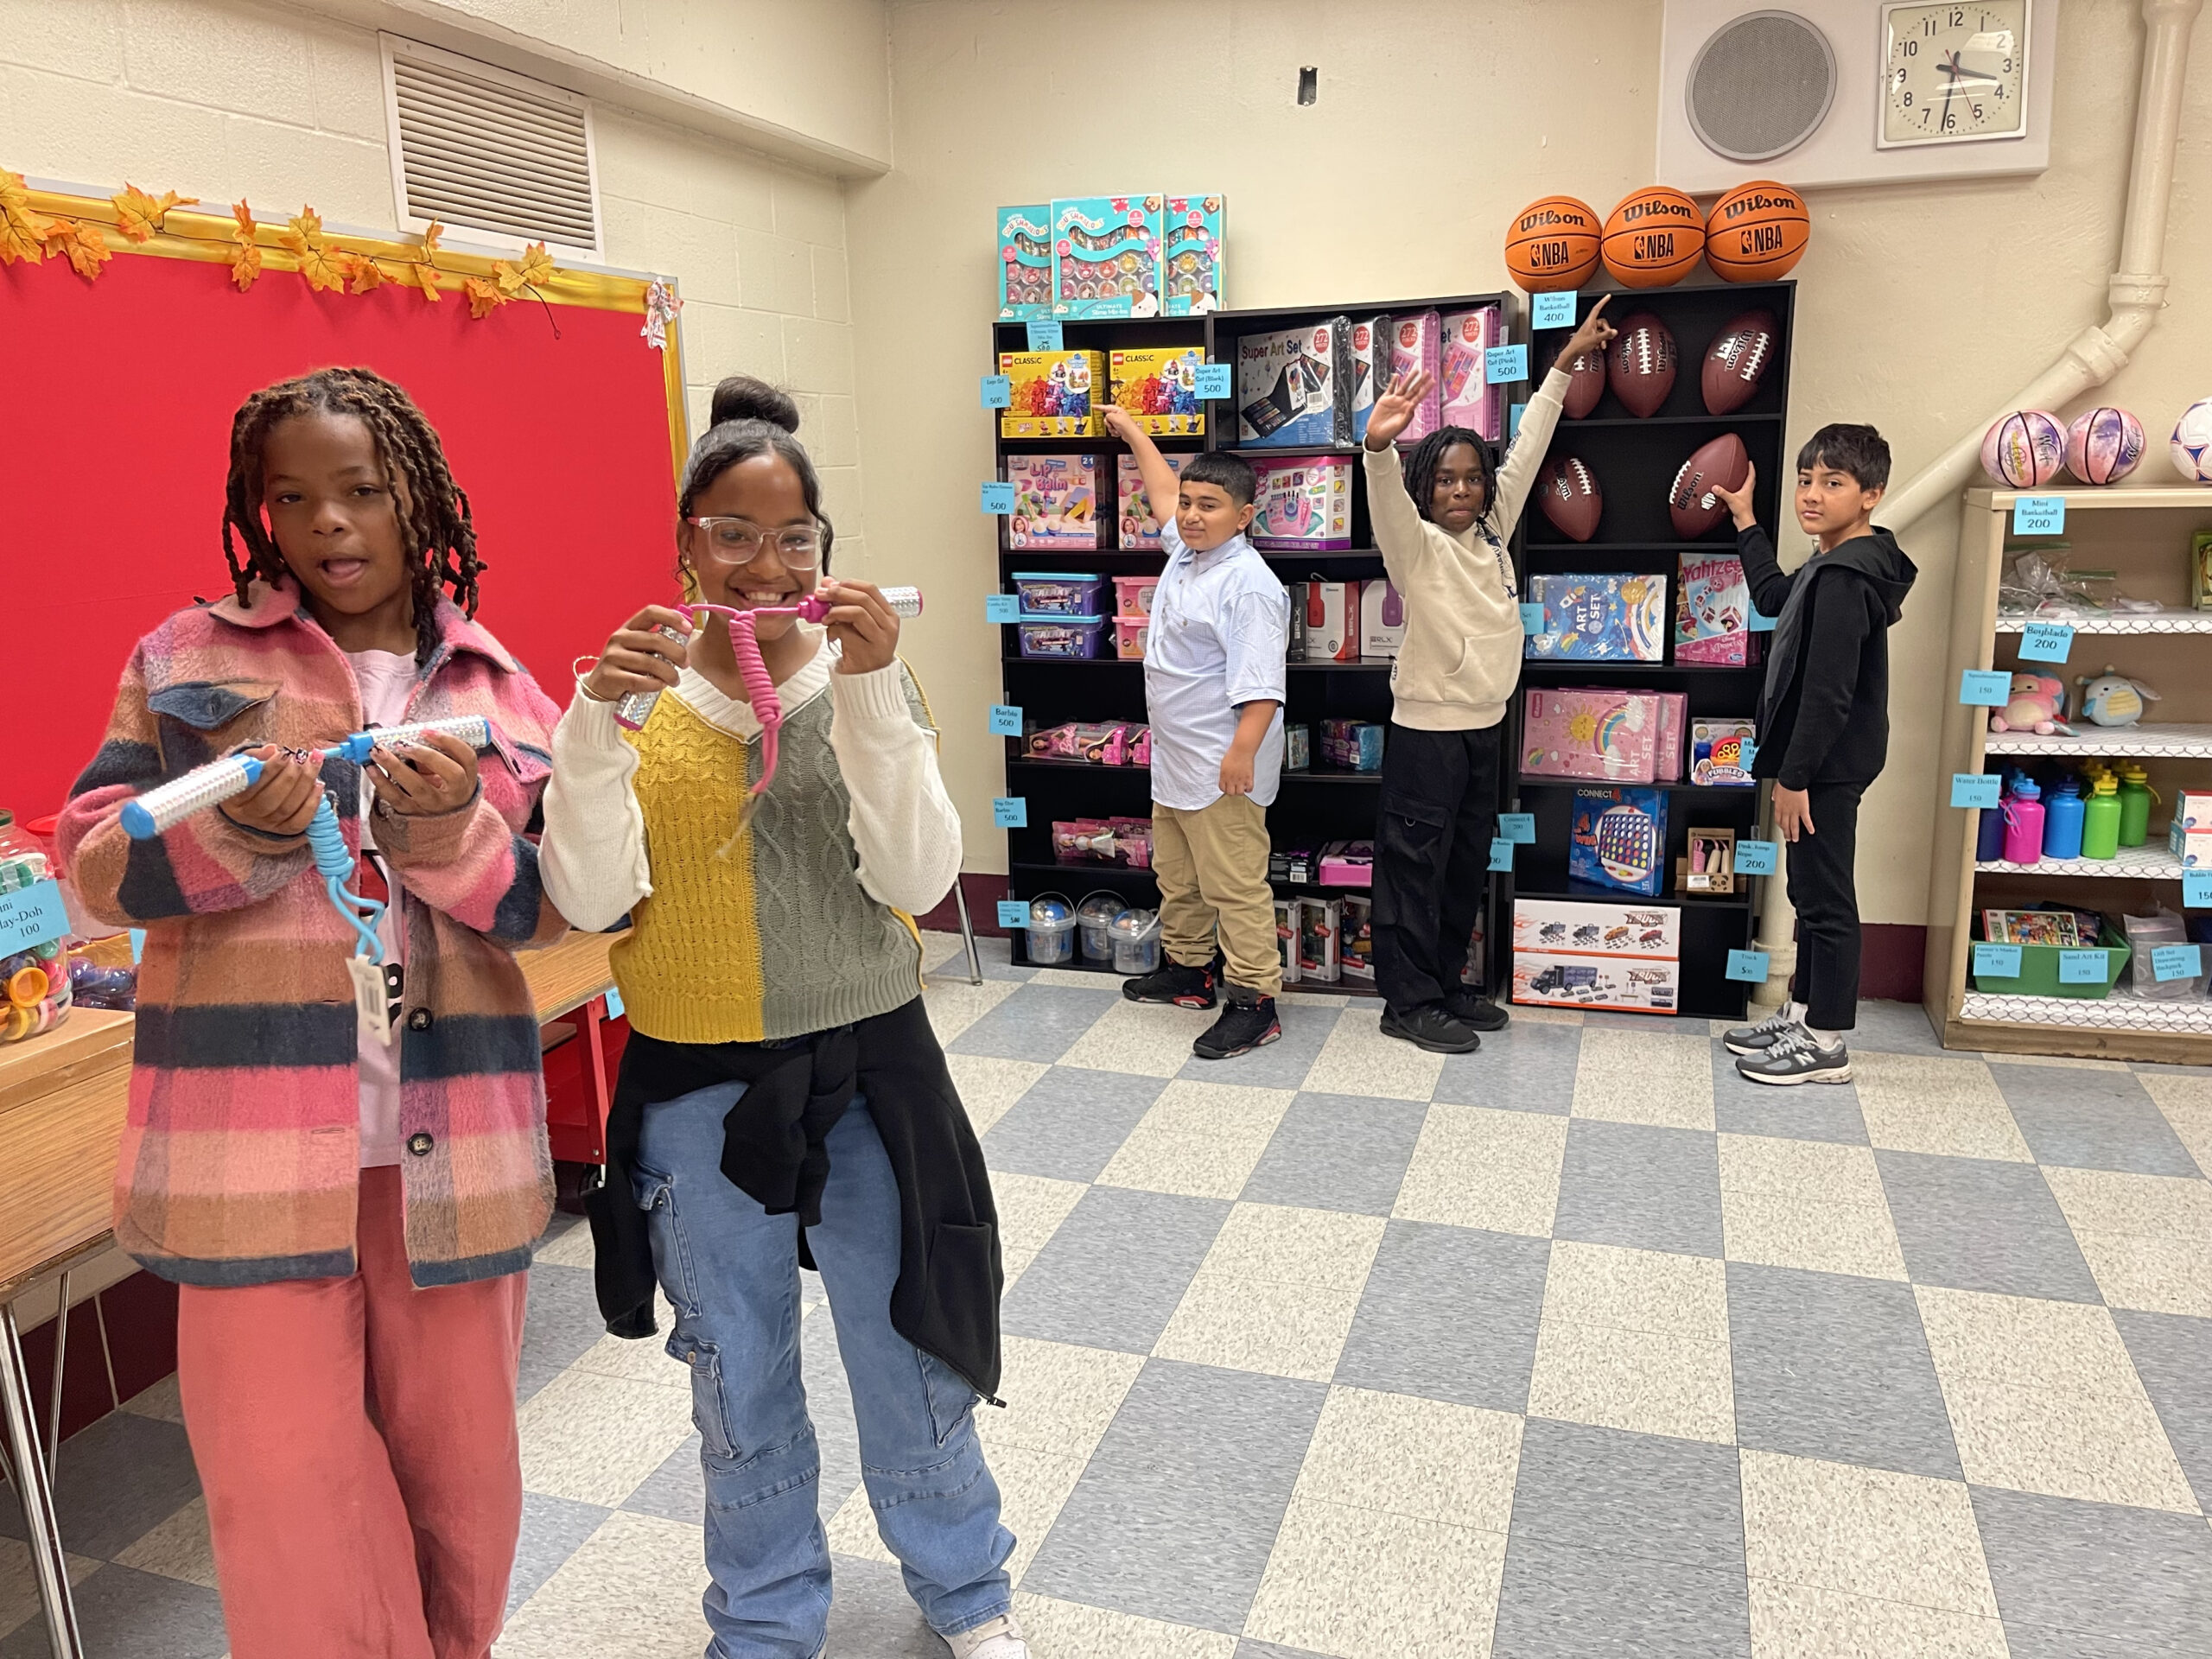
[(2143, 535)]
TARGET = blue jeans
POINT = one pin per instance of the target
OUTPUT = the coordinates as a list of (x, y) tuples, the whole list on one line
[(731, 1271)]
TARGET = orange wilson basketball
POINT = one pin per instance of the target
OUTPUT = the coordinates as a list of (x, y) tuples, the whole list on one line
[(1653, 238), (1552, 244), (1756, 232)]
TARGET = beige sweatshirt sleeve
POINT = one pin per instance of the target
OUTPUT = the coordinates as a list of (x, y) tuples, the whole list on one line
[(1518, 476), (1401, 532)]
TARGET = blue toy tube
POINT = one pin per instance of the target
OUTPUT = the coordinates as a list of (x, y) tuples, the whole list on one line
[(169, 804), (472, 730)]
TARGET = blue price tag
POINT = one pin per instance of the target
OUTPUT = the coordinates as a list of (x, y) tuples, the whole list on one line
[(1013, 913), (1749, 965), (1010, 812), (1974, 789), (1555, 310), (2081, 967), (2177, 961), (998, 498), (1213, 380), (1532, 619), (1043, 336), (1513, 414), (1519, 827), (1987, 688), (615, 1006), (2046, 642), (31, 916), (1001, 607), (2196, 889), (2039, 515), (1006, 720), (1756, 623), (998, 391), (1996, 960), (1501, 854), (1757, 857), (1504, 364)]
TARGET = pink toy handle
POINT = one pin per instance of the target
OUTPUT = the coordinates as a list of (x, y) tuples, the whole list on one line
[(631, 712)]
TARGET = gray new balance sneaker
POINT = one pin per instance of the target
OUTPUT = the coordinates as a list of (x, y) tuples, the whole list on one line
[(1757, 1040), (1795, 1058)]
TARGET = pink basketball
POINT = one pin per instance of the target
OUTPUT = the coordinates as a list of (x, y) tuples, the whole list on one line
[(2025, 449), (2103, 445)]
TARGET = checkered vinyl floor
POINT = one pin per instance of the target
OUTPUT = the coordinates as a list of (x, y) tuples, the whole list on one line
[(1579, 1346)]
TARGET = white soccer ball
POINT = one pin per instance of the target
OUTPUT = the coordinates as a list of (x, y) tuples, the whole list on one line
[(2192, 445)]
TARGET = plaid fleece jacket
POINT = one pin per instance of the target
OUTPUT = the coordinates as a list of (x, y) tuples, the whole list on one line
[(240, 1155)]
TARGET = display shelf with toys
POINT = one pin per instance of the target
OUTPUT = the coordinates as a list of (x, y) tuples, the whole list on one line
[(1640, 607), (2101, 628)]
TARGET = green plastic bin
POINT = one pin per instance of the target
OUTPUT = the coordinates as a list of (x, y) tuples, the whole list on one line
[(2039, 975)]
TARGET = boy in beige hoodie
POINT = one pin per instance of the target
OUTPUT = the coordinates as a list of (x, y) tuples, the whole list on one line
[(1442, 521)]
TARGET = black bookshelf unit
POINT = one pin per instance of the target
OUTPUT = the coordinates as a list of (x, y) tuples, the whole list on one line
[(1312, 806), (1634, 460)]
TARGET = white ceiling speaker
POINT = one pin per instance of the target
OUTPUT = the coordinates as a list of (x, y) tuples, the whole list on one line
[(1761, 85), (1853, 91)]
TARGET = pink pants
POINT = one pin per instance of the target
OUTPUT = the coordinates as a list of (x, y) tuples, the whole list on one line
[(356, 1440)]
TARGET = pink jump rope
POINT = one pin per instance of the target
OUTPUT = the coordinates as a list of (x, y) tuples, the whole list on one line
[(632, 711)]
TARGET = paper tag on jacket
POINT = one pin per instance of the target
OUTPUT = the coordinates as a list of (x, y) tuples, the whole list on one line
[(370, 1008)]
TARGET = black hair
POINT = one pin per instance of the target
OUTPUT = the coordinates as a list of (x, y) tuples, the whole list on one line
[(751, 418), (434, 529), (1428, 455), (1232, 473), (1860, 450)]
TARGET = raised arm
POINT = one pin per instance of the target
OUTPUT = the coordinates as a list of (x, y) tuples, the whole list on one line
[(1160, 483)]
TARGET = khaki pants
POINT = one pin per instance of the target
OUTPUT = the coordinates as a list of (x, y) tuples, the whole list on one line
[(1212, 866)]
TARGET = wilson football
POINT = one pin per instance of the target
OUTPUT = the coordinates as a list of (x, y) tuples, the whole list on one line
[(1736, 361), (1690, 501), (1586, 380), (1570, 498), (1640, 365)]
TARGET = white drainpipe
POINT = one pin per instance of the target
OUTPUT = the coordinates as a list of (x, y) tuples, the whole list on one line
[(2135, 292)]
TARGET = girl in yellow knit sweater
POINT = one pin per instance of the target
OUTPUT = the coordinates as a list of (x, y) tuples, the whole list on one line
[(783, 1102)]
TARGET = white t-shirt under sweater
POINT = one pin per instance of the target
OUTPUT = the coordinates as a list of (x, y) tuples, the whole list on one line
[(386, 679)]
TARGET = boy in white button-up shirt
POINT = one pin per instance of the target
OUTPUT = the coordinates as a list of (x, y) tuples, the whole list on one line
[(1213, 682)]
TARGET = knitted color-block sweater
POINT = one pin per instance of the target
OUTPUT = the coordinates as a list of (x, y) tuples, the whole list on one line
[(241, 1154)]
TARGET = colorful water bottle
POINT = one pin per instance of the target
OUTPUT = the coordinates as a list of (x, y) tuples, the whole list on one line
[(2023, 811), (2061, 820), (2101, 816), (2136, 795)]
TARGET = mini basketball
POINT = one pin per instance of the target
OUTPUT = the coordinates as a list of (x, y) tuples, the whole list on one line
[(2103, 445), (1655, 237), (1757, 232), (2024, 449), (2192, 443), (1552, 244)]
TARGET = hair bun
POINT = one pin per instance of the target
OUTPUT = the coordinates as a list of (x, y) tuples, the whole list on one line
[(742, 398)]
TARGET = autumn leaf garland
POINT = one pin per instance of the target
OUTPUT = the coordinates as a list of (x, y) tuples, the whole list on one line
[(32, 237)]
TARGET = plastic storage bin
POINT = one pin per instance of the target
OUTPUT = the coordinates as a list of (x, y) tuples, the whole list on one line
[(1129, 635), (1070, 637), (2039, 975), (1057, 593), (1051, 929), (1132, 595), (1136, 941), (1094, 918)]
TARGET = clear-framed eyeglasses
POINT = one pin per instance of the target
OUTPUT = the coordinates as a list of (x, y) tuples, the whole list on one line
[(739, 541)]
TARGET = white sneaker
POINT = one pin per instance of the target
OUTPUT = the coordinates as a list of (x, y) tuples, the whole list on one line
[(997, 1638)]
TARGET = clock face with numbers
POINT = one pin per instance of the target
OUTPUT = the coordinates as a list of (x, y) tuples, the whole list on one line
[(1954, 74)]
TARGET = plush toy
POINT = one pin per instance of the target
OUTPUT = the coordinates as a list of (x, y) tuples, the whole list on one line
[(2111, 699), (2036, 702)]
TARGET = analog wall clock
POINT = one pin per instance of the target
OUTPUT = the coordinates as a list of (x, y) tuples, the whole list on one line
[(1954, 74)]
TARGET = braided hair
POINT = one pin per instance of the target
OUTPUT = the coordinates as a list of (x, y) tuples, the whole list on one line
[(1425, 457), (435, 530)]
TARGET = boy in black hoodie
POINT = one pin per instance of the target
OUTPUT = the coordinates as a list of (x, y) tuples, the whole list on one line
[(1823, 731)]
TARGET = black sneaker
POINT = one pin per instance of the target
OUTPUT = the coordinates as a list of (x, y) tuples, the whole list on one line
[(1248, 1022), (1432, 1028), (1472, 1008), (1797, 1058), (1172, 982), (1758, 1040)]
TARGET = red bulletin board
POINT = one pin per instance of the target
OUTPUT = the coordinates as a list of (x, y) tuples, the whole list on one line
[(115, 399)]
